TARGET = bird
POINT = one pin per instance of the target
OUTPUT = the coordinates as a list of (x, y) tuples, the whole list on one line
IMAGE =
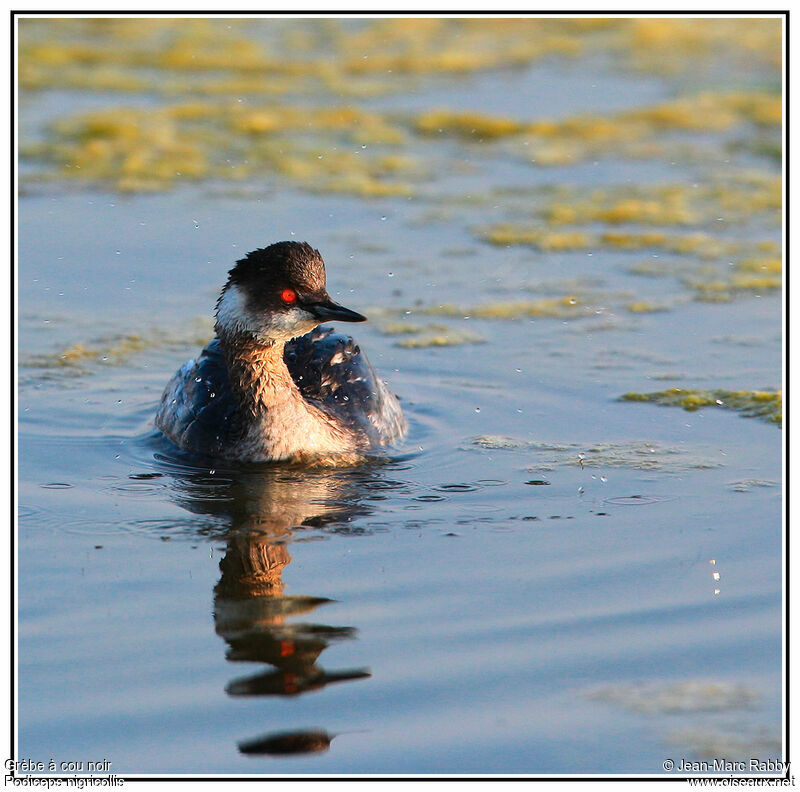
[(274, 386)]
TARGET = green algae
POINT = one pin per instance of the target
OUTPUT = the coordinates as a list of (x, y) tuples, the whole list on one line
[(540, 238), (444, 339), (557, 307), (745, 485), (227, 105), (703, 111), (146, 149), (699, 244), (425, 336), (340, 53), (736, 198), (633, 454), (704, 268), (749, 275), (767, 405), (110, 352), (546, 142), (407, 328), (239, 119), (676, 45), (685, 696), (583, 305), (330, 53), (117, 349), (668, 208), (643, 306)]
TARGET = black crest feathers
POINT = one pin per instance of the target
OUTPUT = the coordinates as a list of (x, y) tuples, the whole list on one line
[(294, 264)]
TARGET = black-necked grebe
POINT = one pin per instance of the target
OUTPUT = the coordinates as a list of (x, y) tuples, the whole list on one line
[(259, 393)]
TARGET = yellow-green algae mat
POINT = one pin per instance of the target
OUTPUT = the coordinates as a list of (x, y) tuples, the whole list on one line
[(222, 96), (761, 404), (237, 100)]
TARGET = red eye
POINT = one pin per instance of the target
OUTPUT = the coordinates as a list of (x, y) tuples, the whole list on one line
[(289, 295)]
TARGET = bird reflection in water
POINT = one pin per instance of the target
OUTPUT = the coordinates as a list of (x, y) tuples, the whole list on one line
[(260, 511)]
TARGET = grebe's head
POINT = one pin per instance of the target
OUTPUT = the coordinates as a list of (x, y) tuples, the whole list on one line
[(277, 293)]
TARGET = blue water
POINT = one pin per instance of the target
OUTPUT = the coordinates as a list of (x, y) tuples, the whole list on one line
[(436, 612)]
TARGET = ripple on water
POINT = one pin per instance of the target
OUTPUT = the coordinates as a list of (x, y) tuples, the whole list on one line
[(55, 520), (25, 512), (395, 485), (41, 518), (190, 527), (457, 488), (136, 489), (637, 500)]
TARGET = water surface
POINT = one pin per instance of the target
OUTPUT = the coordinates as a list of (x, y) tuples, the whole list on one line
[(543, 578)]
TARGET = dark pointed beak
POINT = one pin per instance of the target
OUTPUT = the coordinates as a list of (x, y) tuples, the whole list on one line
[(329, 311)]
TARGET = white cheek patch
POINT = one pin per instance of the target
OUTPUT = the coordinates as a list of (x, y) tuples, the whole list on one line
[(288, 324), (233, 317)]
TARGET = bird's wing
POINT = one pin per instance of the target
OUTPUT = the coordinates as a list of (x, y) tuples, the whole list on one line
[(331, 370), (198, 411)]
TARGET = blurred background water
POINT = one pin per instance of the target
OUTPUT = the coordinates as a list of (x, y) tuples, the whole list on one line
[(567, 236)]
